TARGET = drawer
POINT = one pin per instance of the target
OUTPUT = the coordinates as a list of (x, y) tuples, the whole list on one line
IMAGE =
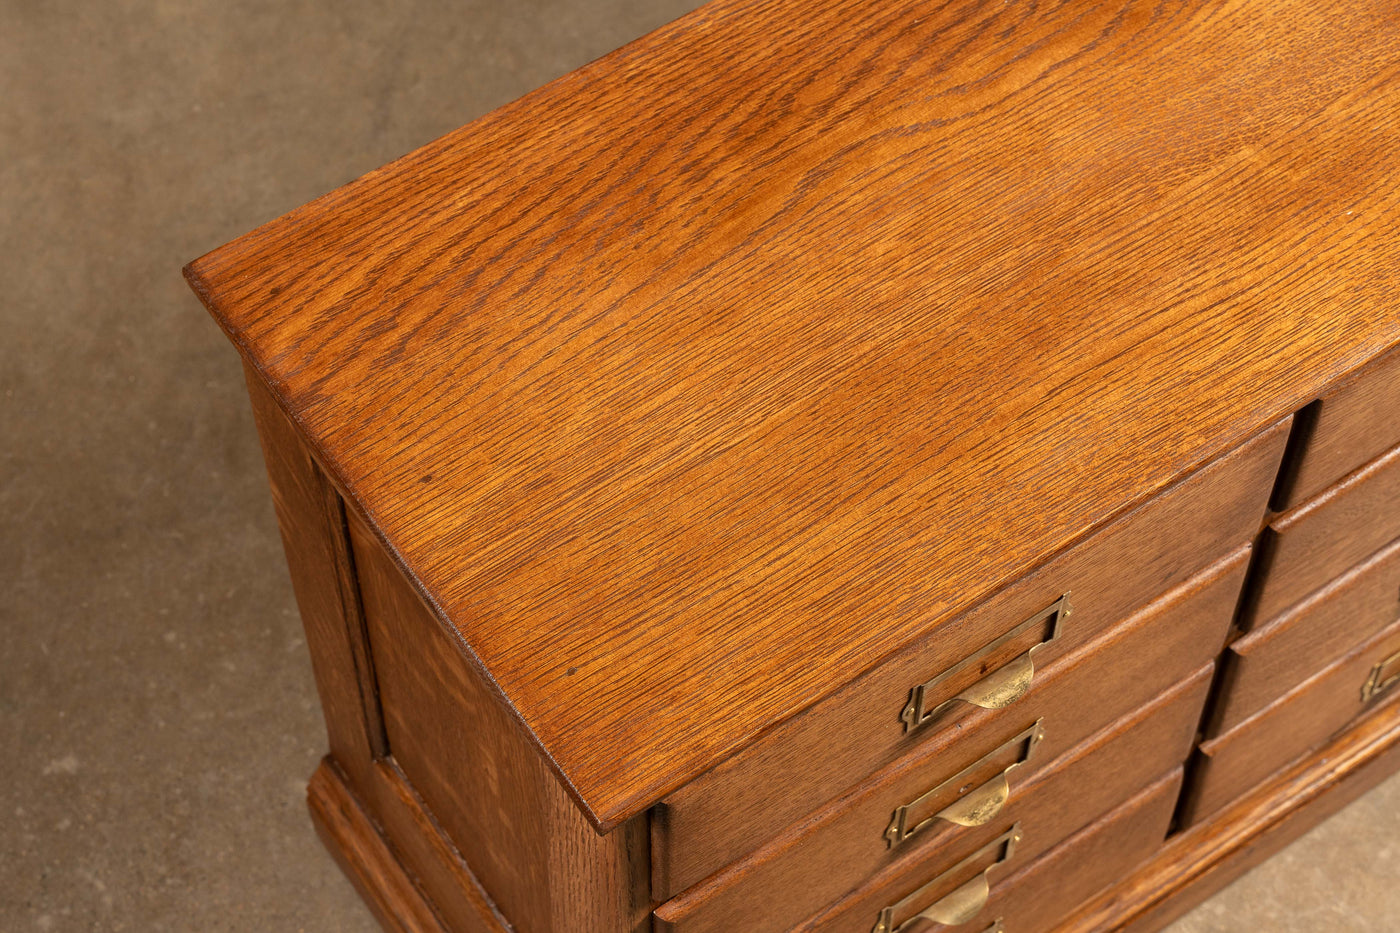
[(999, 889), (1348, 427), (1361, 681), (1309, 545), (1273, 659), (834, 744), (941, 817)]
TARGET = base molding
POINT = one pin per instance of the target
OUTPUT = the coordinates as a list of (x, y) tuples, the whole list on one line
[(1203, 859), (363, 854), (1192, 866), (420, 885)]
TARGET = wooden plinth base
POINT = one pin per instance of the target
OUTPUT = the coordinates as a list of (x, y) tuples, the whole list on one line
[(365, 856), (418, 884), (1193, 864)]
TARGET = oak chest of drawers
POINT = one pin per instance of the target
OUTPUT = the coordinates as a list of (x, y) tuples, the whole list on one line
[(847, 466)]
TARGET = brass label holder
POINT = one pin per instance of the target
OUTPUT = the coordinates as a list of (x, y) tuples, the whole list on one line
[(976, 807), (961, 904), (1383, 676), (996, 690)]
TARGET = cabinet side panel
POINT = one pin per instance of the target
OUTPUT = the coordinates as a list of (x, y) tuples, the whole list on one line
[(482, 778), (311, 518)]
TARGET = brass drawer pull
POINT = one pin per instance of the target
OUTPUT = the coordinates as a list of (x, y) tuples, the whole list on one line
[(1383, 676), (996, 690), (961, 904), (975, 807)]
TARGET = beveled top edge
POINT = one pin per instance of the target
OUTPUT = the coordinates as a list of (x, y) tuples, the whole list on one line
[(794, 517)]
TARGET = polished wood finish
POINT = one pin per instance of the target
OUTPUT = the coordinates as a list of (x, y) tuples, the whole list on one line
[(548, 871), (1203, 859), (1039, 896), (1352, 424), (1231, 764), (827, 749), (311, 518), (1309, 545), (1032, 896), (315, 531), (640, 449), (430, 857), (366, 858), (1121, 670), (835, 850), (396, 898), (1275, 658), (690, 387)]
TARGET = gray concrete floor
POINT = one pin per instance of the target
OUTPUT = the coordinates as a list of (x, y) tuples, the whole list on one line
[(157, 715)]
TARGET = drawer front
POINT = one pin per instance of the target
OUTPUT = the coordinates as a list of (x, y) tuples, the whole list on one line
[(1349, 427), (1309, 545), (939, 819), (832, 746), (1272, 660), (1009, 892), (1363, 681)]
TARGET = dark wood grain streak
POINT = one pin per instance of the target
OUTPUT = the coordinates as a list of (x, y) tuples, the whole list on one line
[(742, 347)]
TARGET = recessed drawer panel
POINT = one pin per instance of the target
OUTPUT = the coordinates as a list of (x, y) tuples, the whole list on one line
[(939, 817), (1273, 659), (1001, 889), (1362, 681), (1350, 426), (988, 655), (1309, 545)]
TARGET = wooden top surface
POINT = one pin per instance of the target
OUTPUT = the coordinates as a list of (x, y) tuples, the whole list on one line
[(695, 383)]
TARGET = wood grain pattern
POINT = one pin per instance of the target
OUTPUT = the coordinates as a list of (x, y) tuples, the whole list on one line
[(693, 385), (1073, 697), (1309, 715), (1039, 896), (822, 752), (1318, 540), (367, 859), (484, 782), (1352, 424), (407, 871), (1275, 658), (358, 789), (311, 519), (1200, 861), (1032, 895), (1196, 863), (839, 848), (430, 857)]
